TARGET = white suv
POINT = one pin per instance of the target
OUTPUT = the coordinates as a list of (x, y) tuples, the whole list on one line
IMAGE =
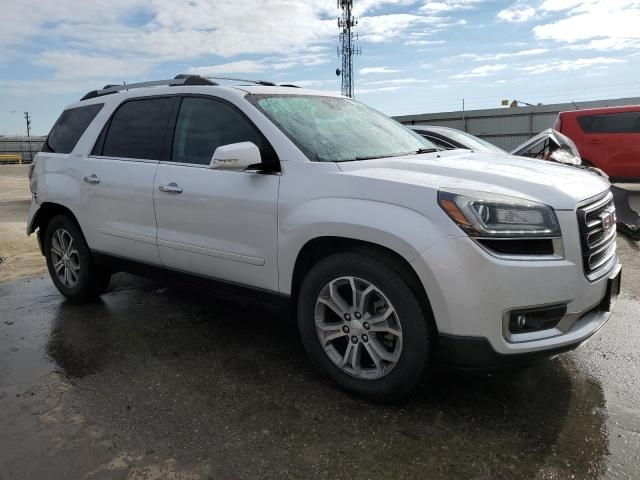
[(395, 255)]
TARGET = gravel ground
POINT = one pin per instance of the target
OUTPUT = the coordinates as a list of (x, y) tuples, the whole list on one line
[(151, 383)]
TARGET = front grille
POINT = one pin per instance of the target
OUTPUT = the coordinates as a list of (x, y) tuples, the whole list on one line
[(597, 223)]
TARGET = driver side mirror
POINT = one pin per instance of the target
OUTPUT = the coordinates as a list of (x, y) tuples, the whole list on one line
[(236, 157)]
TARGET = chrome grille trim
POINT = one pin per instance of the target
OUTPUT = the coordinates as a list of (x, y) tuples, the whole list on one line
[(598, 243)]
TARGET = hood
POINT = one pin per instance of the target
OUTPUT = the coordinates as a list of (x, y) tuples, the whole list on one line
[(554, 184), (552, 144)]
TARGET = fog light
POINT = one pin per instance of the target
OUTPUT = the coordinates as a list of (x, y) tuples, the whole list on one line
[(536, 319)]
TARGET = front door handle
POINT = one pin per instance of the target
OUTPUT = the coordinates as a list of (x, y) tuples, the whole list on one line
[(171, 188), (93, 178)]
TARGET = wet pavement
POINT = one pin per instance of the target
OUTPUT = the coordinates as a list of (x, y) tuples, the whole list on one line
[(151, 383)]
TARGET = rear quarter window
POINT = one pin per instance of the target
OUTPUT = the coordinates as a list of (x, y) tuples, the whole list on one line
[(69, 128)]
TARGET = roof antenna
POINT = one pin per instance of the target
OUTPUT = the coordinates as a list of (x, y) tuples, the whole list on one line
[(125, 84), (575, 105)]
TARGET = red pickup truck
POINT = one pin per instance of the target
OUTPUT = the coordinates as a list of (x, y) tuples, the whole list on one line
[(607, 138)]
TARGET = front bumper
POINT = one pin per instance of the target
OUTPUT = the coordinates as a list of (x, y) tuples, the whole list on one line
[(477, 353), (472, 292)]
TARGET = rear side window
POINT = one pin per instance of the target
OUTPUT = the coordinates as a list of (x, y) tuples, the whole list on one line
[(137, 129), (614, 123), (205, 124), (69, 128)]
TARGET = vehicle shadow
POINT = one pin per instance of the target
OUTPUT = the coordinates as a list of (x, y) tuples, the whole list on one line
[(201, 377)]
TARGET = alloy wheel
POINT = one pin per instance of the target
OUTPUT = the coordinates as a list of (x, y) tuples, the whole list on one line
[(358, 328), (65, 258)]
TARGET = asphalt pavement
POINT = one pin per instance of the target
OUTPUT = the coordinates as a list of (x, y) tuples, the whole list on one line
[(153, 382)]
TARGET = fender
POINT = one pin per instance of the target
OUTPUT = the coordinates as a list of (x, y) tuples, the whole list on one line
[(54, 175), (400, 229)]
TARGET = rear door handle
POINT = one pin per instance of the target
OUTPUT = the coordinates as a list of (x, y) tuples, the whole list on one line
[(93, 178), (171, 188)]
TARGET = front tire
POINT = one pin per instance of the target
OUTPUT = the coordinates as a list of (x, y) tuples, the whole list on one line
[(363, 327), (71, 266)]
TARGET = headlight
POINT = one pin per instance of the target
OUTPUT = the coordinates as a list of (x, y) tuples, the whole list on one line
[(499, 216)]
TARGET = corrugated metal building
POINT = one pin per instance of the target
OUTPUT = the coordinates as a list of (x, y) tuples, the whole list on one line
[(508, 127), (21, 145)]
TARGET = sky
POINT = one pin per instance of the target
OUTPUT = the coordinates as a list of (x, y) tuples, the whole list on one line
[(417, 56)]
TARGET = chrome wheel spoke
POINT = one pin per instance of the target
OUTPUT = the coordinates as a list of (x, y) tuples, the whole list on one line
[(337, 299), (363, 297), (376, 358), (382, 318), (331, 331), (327, 302), (58, 266), (66, 277), (383, 353), (389, 330)]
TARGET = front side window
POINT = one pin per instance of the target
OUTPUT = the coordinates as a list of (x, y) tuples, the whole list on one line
[(612, 123), (337, 129), (69, 128), (137, 129), (205, 124)]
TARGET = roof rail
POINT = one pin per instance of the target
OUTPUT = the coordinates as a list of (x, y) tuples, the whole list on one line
[(257, 82), (181, 79)]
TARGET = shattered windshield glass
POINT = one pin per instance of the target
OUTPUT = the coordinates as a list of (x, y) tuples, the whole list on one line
[(336, 129)]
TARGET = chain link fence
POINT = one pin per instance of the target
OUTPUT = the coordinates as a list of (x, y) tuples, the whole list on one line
[(19, 149)]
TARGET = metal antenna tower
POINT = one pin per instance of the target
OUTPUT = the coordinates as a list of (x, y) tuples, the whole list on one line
[(347, 49)]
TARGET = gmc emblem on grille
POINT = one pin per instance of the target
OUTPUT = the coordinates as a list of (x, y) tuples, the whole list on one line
[(608, 220)]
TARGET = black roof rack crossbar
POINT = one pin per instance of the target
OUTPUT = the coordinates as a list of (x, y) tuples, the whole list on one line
[(178, 80)]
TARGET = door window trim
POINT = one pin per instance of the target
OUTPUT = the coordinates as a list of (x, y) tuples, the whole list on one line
[(173, 122), (99, 143)]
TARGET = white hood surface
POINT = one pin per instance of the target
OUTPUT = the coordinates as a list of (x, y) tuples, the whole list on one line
[(559, 186)]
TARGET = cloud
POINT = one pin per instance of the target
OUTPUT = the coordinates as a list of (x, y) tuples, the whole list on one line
[(517, 13), (569, 65), (242, 66), (281, 62), (360, 7), (448, 6), (74, 65), (482, 71), (501, 56), (424, 42), (363, 91), (382, 28), (397, 81), (608, 25), (370, 70)]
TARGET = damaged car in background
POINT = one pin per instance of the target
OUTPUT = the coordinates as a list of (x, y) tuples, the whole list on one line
[(547, 145)]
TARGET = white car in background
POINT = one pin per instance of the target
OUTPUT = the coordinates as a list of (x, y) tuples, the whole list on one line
[(395, 256)]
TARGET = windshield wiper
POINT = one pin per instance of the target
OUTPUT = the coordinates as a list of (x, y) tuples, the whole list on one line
[(373, 157), (424, 150)]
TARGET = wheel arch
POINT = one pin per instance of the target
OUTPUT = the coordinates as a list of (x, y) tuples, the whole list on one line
[(320, 247), (43, 216)]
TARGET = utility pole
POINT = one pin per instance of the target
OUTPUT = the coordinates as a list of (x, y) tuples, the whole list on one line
[(27, 117), (347, 49)]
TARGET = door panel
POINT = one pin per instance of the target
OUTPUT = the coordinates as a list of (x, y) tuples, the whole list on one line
[(221, 225), (118, 179), (118, 209)]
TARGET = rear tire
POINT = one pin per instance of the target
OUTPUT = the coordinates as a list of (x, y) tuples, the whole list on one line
[(346, 336), (72, 268)]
